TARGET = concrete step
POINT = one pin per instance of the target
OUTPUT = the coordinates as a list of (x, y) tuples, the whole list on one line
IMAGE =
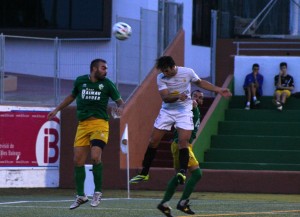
[(252, 156), (262, 115), (250, 166), (259, 129), (239, 102), (255, 142)]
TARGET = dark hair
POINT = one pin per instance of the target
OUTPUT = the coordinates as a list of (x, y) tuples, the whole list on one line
[(165, 62), (199, 91), (283, 64), (95, 63), (255, 65)]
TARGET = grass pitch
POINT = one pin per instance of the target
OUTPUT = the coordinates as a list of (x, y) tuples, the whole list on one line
[(56, 202)]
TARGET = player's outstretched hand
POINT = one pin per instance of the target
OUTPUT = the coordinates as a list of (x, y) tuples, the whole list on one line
[(225, 92), (116, 112), (51, 114)]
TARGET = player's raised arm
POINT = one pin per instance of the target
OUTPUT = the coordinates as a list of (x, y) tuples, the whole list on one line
[(67, 101), (225, 92)]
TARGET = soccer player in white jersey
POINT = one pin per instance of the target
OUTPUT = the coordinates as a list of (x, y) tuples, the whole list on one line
[(174, 86)]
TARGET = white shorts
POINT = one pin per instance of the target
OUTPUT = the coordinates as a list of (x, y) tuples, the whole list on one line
[(167, 118)]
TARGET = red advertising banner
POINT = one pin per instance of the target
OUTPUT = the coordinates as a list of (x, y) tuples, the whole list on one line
[(28, 138)]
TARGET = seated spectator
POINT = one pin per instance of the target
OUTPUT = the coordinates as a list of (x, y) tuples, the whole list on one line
[(284, 84), (253, 86)]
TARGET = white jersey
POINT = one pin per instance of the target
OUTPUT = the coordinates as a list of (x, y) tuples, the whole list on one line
[(180, 83)]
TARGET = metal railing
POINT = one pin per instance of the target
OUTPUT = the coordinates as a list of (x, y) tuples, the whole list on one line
[(41, 71), (265, 46)]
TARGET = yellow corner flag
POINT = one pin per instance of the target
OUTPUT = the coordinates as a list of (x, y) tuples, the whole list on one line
[(124, 140)]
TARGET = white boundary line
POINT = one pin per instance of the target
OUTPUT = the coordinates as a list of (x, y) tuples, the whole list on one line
[(274, 212), (81, 207), (56, 201), (209, 214), (204, 202)]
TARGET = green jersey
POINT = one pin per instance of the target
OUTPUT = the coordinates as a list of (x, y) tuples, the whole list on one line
[(92, 97), (196, 121)]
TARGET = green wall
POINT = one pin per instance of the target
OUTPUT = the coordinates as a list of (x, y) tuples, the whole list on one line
[(203, 140)]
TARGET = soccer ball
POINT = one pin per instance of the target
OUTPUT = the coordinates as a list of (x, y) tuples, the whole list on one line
[(121, 30)]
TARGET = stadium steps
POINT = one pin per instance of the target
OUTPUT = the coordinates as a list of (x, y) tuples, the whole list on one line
[(259, 139), (255, 142), (238, 102), (259, 128), (163, 158)]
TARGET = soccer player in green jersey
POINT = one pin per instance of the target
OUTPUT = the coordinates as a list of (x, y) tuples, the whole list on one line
[(92, 92), (193, 166)]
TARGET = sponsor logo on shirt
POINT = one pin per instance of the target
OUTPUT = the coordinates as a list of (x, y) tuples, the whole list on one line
[(101, 86), (90, 94)]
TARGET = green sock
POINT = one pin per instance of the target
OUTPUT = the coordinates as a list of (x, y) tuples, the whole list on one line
[(172, 185), (79, 180), (191, 183), (97, 172)]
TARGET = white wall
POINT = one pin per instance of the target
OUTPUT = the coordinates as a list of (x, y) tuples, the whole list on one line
[(131, 9), (37, 57), (13, 177), (269, 67), (129, 69), (196, 57)]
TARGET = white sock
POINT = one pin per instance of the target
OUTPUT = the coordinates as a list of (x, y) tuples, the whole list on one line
[(254, 98), (248, 103)]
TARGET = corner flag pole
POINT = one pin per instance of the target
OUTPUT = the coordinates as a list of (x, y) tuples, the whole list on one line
[(128, 185), (125, 149)]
